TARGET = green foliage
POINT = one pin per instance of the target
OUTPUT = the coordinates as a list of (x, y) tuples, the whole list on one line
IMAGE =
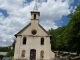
[(10, 53), (8, 49), (56, 33), (13, 44), (67, 38), (4, 49), (72, 33)]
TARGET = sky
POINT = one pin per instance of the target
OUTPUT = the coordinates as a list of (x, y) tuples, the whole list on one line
[(15, 14)]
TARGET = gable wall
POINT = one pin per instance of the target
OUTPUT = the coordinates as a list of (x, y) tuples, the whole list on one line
[(35, 26)]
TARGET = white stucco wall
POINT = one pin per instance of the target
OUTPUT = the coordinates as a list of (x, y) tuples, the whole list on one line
[(33, 42)]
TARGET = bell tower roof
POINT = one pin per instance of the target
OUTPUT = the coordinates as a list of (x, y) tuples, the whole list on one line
[(35, 7), (35, 11)]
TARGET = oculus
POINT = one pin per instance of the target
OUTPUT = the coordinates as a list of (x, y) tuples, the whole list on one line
[(33, 32)]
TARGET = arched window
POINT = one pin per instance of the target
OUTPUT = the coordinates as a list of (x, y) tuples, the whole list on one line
[(42, 54), (23, 53), (34, 16), (24, 40), (42, 41)]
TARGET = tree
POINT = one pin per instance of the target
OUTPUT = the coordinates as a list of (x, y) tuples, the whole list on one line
[(10, 53), (56, 41), (67, 38), (5, 49), (71, 35), (13, 44)]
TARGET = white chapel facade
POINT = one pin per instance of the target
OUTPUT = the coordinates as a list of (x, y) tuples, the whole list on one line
[(33, 41)]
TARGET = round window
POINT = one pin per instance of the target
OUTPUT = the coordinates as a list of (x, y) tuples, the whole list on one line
[(34, 32)]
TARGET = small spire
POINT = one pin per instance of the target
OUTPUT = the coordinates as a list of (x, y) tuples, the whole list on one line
[(35, 7)]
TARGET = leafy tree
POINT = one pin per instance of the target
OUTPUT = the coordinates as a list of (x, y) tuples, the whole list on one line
[(10, 53), (5, 49), (56, 33), (71, 35), (67, 38), (13, 44)]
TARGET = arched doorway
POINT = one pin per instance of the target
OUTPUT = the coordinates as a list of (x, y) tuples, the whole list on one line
[(32, 54)]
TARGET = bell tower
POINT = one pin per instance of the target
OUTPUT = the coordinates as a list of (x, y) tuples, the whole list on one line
[(35, 14)]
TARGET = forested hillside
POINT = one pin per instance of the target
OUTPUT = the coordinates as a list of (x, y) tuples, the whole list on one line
[(67, 38)]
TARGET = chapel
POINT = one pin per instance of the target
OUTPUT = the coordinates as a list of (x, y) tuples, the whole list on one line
[(33, 41)]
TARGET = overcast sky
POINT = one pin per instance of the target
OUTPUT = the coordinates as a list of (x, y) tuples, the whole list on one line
[(15, 14)]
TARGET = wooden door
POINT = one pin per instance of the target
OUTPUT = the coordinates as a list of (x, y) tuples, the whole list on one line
[(32, 54)]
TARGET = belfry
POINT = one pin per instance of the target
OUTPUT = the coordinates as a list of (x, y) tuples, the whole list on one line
[(33, 41)]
